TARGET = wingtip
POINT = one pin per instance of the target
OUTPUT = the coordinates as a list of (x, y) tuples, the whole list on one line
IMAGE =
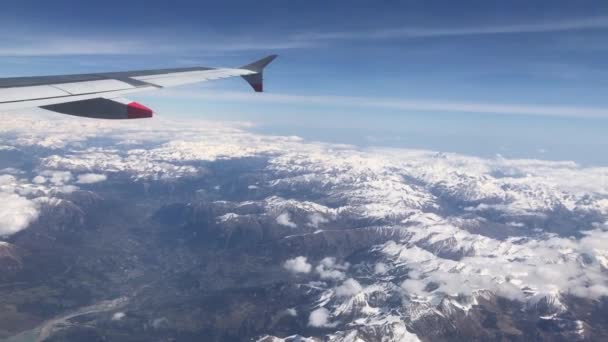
[(256, 81), (259, 65)]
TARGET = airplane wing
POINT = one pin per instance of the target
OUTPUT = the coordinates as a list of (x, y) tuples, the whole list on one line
[(101, 95)]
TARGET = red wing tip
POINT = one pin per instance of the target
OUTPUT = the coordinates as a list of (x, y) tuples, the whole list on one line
[(138, 111), (258, 87)]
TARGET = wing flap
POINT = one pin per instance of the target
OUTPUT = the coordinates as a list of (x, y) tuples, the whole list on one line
[(180, 78), (26, 93), (88, 87), (102, 108)]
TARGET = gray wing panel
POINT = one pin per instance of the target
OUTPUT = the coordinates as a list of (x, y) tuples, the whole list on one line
[(13, 82)]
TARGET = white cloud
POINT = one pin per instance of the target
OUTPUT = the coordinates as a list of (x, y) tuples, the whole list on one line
[(316, 219), (16, 213), (292, 312), (328, 268), (118, 316), (57, 177), (380, 268), (285, 220), (349, 287), (39, 180), (7, 182), (298, 265), (319, 318), (68, 188), (89, 178), (413, 286)]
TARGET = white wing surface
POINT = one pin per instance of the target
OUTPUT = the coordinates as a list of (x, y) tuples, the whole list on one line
[(100, 95)]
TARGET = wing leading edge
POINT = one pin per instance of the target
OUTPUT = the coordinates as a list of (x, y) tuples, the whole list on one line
[(100, 95)]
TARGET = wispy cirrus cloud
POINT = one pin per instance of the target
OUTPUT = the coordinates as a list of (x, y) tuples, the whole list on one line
[(41, 42), (394, 103), (591, 23), (35, 43), (61, 46)]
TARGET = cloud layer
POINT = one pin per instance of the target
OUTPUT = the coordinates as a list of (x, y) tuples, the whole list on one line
[(402, 104)]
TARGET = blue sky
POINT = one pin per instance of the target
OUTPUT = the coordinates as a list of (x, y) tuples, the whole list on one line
[(516, 78)]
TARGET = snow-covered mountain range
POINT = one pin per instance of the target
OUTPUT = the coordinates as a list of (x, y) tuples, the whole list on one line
[(387, 244)]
